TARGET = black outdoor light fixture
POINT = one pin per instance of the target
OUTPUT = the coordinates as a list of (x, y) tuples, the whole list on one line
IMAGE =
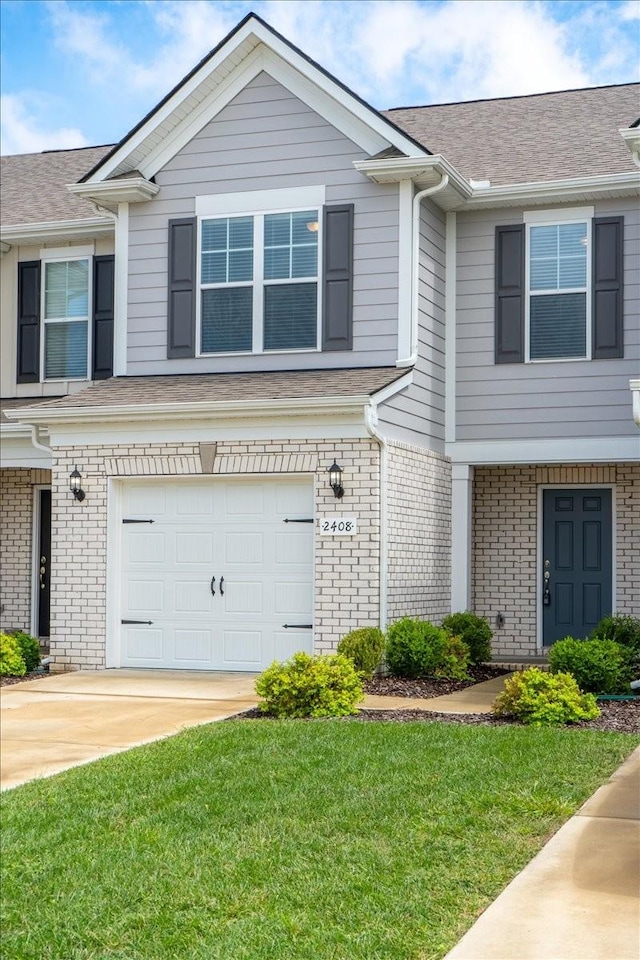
[(74, 484), (335, 480)]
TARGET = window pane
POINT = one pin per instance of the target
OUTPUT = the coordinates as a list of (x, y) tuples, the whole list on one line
[(240, 265), (66, 289), (558, 326), (241, 233), (214, 268), (65, 350), (227, 320), (573, 240), (543, 241), (276, 263), (543, 275), (305, 226), (305, 262), (573, 272), (277, 229), (290, 316), (214, 234)]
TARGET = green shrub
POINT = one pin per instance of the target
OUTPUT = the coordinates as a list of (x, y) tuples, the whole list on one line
[(305, 686), (475, 631), (599, 666), (29, 649), (544, 699), (624, 630), (365, 647), (11, 662), (416, 648)]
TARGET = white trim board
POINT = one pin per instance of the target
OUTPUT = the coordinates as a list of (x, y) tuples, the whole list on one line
[(251, 49), (539, 532), (557, 450)]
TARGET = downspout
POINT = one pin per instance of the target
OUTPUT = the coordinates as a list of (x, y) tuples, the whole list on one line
[(371, 421), (415, 257), (36, 441)]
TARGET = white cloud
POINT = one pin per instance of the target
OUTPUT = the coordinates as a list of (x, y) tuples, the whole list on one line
[(24, 131), (630, 10)]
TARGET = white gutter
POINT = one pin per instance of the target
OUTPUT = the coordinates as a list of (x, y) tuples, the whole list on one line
[(14, 233), (35, 440), (631, 136), (187, 410), (122, 190), (551, 191), (415, 272), (634, 386), (371, 423)]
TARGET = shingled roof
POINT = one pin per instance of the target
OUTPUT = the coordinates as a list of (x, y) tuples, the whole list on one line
[(223, 388), (33, 186), (547, 136)]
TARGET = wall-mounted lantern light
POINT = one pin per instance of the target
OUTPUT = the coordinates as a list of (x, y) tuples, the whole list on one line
[(74, 485), (335, 480)]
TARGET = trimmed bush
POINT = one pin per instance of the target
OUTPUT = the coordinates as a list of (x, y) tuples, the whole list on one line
[(624, 630), (544, 699), (29, 649), (475, 631), (11, 662), (416, 648), (305, 686), (599, 666), (365, 647)]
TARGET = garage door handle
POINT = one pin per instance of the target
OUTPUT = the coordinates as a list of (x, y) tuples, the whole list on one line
[(298, 626), (137, 621), (221, 586), (213, 586)]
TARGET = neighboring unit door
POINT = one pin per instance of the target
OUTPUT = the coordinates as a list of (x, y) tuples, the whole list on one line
[(576, 561), (222, 579), (44, 563)]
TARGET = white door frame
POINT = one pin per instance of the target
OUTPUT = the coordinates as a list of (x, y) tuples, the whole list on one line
[(35, 555), (539, 534), (115, 486)]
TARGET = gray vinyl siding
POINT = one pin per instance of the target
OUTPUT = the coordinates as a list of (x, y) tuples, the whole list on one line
[(522, 401), (416, 414), (266, 138)]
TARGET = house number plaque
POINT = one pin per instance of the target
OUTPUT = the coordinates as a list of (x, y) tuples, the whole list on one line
[(338, 526)]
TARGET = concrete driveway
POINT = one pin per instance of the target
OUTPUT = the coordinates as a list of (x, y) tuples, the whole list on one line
[(68, 719)]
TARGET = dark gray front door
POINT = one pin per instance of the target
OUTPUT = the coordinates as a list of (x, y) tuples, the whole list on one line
[(576, 558), (44, 566)]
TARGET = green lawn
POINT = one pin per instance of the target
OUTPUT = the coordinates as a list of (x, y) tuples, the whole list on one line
[(258, 840)]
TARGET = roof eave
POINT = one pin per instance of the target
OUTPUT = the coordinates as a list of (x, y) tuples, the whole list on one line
[(198, 409), (55, 229), (127, 190), (556, 191)]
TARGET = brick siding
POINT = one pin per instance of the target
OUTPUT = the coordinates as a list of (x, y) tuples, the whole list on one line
[(505, 542), (16, 511), (419, 538), (346, 570)]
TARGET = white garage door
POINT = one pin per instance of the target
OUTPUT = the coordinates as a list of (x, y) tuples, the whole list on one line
[(222, 579)]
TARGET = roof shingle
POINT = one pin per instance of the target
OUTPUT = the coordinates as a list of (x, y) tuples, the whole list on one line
[(549, 136)]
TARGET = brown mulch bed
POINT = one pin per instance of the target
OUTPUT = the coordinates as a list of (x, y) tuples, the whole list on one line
[(431, 687), (7, 681)]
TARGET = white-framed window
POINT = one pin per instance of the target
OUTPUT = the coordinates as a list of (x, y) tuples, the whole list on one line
[(65, 308), (558, 285), (258, 271)]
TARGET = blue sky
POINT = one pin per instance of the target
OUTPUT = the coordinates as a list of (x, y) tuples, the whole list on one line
[(78, 72)]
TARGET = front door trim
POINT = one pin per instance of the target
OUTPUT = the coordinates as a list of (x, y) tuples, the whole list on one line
[(36, 490), (539, 537)]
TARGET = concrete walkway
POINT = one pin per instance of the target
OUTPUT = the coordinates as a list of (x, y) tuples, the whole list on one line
[(579, 898), (69, 719), (476, 699)]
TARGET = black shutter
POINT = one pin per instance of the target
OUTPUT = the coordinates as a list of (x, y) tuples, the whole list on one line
[(337, 309), (510, 294), (607, 283), (181, 332), (103, 276), (28, 353)]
